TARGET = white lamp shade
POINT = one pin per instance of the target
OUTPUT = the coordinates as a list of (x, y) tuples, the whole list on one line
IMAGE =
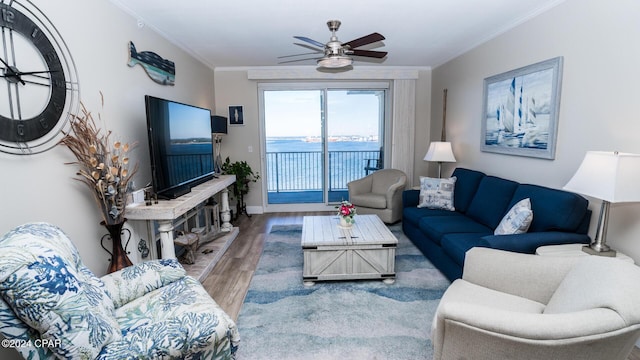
[(440, 151), (609, 176)]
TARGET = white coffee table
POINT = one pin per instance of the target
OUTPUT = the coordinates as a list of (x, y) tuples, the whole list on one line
[(572, 250), (366, 251)]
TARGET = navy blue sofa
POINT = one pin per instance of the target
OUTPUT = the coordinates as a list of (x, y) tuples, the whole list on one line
[(481, 201)]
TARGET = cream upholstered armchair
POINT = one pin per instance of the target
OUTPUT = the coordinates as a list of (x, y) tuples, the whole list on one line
[(521, 306), (379, 193)]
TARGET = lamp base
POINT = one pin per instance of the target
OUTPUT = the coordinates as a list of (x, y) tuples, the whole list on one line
[(594, 249)]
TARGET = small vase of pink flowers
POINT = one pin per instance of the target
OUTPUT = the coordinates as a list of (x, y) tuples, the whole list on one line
[(346, 214)]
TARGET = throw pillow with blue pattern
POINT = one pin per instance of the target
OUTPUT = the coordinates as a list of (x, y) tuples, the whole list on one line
[(517, 220), (46, 285), (437, 193)]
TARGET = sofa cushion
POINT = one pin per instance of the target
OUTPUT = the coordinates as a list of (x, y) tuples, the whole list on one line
[(467, 182), (517, 220), (177, 321), (467, 292), (553, 209), (457, 245), (435, 227), (410, 198), (414, 214), (437, 193), (370, 200), (491, 200)]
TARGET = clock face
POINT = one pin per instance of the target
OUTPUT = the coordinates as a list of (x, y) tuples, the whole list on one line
[(38, 81)]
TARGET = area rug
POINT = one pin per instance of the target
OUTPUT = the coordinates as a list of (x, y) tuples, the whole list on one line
[(364, 319)]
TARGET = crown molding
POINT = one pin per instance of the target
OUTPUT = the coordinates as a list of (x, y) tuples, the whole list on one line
[(311, 72)]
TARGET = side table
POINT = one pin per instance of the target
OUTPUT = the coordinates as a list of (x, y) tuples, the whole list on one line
[(572, 250)]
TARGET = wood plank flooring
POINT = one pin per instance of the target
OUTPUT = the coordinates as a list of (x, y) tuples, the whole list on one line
[(229, 281)]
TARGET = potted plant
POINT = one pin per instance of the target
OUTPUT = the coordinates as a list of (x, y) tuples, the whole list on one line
[(244, 175)]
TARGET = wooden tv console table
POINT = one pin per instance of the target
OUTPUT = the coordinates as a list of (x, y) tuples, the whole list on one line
[(166, 211)]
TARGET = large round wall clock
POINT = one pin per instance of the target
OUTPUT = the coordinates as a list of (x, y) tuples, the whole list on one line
[(39, 91)]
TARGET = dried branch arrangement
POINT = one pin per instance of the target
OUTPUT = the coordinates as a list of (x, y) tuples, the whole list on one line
[(104, 165)]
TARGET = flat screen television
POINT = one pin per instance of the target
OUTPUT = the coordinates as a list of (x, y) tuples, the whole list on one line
[(180, 146)]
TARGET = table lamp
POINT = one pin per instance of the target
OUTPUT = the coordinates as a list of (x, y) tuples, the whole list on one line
[(440, 151), (612, 177), (218, 128)]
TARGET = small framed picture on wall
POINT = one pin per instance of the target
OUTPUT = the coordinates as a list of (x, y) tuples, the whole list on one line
[(235, 115)]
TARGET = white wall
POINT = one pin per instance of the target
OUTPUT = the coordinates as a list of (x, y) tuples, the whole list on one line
[(233, 89), (40, 187), (598, 111)]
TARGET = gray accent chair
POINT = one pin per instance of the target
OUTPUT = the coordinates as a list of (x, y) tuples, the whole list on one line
[(522, 306), (379, 193)]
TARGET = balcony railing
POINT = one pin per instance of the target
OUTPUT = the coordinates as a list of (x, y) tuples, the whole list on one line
[(302, 171), (184, 167)]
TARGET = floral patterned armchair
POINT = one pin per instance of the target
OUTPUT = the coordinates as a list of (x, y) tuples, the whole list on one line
[(54, 306)]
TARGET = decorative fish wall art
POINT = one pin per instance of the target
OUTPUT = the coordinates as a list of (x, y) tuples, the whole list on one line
[(160, 70)]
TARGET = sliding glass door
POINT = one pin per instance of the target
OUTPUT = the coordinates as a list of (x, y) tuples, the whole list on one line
[(355, 133), (294, 147), (318, 138)]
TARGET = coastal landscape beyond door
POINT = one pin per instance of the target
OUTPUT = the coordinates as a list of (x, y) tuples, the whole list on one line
[(317, 140)]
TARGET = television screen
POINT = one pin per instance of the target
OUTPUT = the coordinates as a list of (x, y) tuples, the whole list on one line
[(180, 146)]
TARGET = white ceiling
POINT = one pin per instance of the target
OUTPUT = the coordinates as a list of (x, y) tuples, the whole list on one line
[(256, 32)]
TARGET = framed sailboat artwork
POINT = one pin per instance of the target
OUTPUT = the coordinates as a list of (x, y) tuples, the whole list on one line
[(520, 110)]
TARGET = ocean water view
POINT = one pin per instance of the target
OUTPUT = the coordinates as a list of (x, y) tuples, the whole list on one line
[(296, 163), (303, 144)]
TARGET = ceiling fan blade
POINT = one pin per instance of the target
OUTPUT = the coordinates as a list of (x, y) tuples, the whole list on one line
[(365, 40), (310, 53), (296, 60), (308, 46), (369, 53), (310, 41)]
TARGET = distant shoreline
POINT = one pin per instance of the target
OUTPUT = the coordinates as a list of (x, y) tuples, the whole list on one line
[(302, 144), (337, 138)]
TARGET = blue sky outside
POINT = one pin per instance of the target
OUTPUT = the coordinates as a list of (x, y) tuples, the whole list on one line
[(298, 113)]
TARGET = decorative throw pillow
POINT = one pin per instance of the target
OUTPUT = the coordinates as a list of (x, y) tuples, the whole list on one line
[(517, 220), (437, 193)]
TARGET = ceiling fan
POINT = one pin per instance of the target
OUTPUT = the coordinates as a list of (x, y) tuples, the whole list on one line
[(336, 53)]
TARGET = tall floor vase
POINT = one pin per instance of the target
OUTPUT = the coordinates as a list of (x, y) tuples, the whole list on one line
[(119, 258)]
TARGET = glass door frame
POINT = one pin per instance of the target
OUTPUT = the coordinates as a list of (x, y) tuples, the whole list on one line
[(323, 86)]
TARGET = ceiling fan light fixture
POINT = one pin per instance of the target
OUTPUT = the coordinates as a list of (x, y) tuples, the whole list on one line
[(336, 53), (335, 62)]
